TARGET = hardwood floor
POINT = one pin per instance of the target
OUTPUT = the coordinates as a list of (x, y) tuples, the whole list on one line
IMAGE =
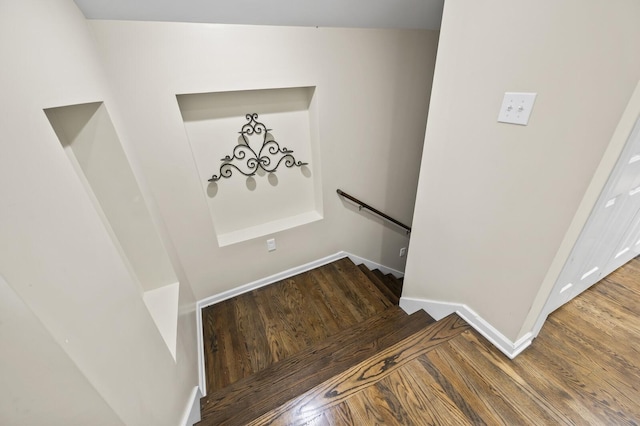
[(253, 331), (583, 368)]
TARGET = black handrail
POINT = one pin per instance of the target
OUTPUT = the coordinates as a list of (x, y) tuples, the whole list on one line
[(372, 209)]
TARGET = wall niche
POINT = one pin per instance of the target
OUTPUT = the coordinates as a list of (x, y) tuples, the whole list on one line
[(221, 124), (93, 148)]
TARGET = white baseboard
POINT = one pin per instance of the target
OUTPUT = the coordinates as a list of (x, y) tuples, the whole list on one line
[(211, 300), (264, 282), (439, 310), (192, 411), (373, 265)]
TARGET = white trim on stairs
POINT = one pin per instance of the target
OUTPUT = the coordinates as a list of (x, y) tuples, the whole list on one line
[(439, 310), (191, 413), (373, 265)]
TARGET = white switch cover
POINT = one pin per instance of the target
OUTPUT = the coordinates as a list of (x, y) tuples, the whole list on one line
[(516, 108), (271, 244)]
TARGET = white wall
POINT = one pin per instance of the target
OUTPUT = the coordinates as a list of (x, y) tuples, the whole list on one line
[(372, 86), (55, 254), (39, 389), (495, 200), (94, 149)]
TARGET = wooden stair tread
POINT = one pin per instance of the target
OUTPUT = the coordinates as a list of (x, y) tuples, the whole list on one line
[(256, 395), (342, 386), (390, 281), (384, 289), (395, 283), (350, 271)]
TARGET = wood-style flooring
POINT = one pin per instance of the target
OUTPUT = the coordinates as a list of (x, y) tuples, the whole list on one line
[(250, 332), (583, 368)]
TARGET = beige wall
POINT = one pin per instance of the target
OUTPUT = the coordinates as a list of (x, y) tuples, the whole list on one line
[(40, 384), (68, 287), (495, 200), (372, 86)]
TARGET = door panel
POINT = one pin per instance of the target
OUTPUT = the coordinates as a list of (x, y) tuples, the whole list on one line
[(611, 235)]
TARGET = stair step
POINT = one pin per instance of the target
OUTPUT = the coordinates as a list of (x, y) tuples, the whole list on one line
[(308, 406), (253, 396), (384, 289), (390, 281), (348, 270)]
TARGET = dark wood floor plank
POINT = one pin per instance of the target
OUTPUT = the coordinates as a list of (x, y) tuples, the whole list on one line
[(284, 302), (574, 372), (416, 407), (367, 291), (390, 281), (582, 388), (627, 276), (340, 415), (574, 406), (368, 412), (486, 394), (275, 333), (467, 402), (395, 284), (252, 333), (350, 284), (329, 305), (236, 353), (494, 368), (290, 298), (334, 297), (380, 285), (315, 419), (608, 315), (611, 354), (228, 365), (626, 299), (389, 389), (442, 408), (213, 344), (318, 315)]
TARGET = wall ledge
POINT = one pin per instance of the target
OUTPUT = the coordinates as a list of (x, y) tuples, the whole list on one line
[(439, 310)]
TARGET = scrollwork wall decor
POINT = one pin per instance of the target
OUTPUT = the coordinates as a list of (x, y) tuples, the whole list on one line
[(247, 161)]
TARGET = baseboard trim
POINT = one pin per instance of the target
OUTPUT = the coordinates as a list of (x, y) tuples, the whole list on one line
[(439, 310), (192, 410), (216, 298), (264, 282), (373, 265)]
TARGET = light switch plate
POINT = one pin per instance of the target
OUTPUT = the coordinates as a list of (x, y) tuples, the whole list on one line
[(516, 108)]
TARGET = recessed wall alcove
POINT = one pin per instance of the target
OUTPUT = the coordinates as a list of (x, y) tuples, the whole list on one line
[(96, 154), (246, 207)]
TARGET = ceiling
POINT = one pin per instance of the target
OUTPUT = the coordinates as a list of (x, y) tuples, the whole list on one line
[(422, 14)]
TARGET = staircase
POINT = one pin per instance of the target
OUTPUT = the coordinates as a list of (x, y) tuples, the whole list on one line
[(363, 336)]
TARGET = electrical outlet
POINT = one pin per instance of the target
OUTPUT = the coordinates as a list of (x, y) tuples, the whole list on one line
[(271, 244), (403, 252)]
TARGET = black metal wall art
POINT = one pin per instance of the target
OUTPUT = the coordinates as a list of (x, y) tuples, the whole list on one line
[(247, 161)]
